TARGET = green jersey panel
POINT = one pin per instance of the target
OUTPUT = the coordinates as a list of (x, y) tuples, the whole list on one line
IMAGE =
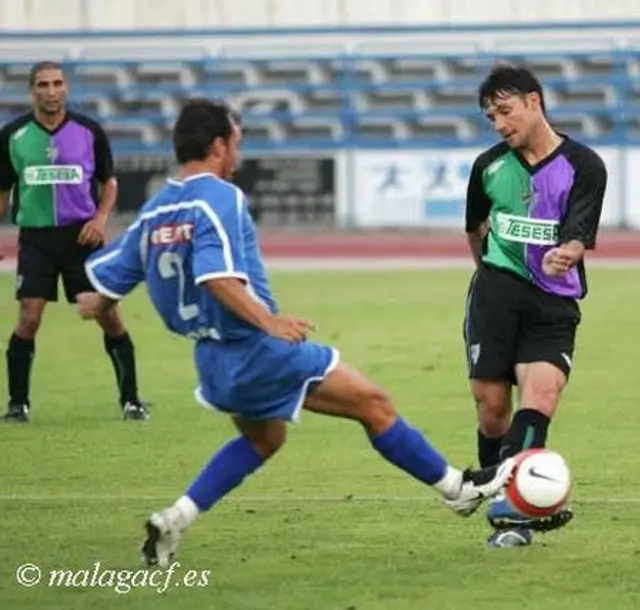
[(508, 185), (30, 147)]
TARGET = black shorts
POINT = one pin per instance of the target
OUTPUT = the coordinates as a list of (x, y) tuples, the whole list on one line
[(45, 255), (510, 321)]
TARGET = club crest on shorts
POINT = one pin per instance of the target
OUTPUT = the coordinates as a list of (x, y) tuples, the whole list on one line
[(474, 353)]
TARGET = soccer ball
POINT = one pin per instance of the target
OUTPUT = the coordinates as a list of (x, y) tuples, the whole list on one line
[(540, 484)]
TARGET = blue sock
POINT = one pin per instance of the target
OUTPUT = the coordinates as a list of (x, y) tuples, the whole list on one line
[(226, 470), (408, 449)]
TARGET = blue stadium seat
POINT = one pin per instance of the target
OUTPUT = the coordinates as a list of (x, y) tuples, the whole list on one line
[(325, 97)]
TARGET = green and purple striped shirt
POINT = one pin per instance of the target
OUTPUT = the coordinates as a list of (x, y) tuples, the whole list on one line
[(54, 175), (531, 209)]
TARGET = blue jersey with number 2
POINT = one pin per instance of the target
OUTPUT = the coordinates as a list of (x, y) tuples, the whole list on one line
[(199, 230), (188, 233)]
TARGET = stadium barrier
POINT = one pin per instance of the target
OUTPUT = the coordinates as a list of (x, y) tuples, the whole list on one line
[(374, 188), (427, 188), (283, 190)]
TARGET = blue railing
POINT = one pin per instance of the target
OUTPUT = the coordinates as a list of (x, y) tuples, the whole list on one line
[(350, 97)]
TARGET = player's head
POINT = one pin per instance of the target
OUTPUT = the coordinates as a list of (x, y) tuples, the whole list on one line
[(513, 100), (209, 132), (48, 87)]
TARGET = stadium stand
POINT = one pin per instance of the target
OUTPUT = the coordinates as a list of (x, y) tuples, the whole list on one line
[(333, 95)]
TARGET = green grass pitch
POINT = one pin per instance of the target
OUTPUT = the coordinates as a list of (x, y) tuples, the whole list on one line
[(327, 525)]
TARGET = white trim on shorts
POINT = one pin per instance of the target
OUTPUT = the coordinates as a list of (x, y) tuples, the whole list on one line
[(295, 418), (335, 360)]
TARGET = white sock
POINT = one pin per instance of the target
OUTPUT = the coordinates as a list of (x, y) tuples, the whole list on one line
[(450, 484), (187, 511)]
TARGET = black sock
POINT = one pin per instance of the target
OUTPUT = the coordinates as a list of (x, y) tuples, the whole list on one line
[(488, 450), (19, 358), (122, 355), (528, 431)]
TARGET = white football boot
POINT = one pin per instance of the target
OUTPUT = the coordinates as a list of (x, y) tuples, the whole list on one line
[(164, 531), (480, 485)]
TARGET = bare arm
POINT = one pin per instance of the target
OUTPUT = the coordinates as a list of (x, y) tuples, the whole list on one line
[(8, 174), (475, 240), (104, 173), (477, 211), (108, 198), (4, 203), (4, 206), (91, 305), (95, 231), (232, 294)]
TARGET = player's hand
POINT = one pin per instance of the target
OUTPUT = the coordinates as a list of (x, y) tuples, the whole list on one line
[(556, 262), (290, 328), (94, 232)]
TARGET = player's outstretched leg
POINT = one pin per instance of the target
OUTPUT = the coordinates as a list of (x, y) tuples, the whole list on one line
[(121, 352), (347, 393), (541, 384), (241, 456), (494, 406), (528, 430)]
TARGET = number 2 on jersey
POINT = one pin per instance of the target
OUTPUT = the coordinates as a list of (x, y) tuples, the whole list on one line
[(170, 265)]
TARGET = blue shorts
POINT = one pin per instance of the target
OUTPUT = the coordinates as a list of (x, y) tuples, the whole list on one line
[(264, 378)]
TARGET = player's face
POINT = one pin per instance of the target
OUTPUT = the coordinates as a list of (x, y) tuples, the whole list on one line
[(514, 117), (49, 91)]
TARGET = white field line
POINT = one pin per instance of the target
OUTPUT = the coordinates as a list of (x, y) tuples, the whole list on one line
[(284, 499), (409, 263), (382, 264)]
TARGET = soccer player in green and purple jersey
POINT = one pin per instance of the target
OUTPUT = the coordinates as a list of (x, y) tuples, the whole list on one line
[(533, 207), (56, 170)]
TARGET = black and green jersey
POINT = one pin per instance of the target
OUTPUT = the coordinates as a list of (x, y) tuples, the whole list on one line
[(53, 175), (533, 208)]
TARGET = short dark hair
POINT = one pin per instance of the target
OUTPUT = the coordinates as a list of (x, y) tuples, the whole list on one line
[(39, 67), (200, 122), (509, 80)]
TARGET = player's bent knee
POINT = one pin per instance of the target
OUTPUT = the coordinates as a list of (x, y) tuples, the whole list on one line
[(543, 397), (111, 322), (493, 424), (493, 401), (267, 447), (378, 412), (29, 319), (266, 437), (348, 393), (493, 398), (540, 386), (28, 326)]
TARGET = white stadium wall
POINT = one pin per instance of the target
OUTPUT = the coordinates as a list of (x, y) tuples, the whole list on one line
[(139, 14), (427, 187)]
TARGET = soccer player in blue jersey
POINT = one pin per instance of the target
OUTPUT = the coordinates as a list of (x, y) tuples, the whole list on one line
[(196, 246)]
